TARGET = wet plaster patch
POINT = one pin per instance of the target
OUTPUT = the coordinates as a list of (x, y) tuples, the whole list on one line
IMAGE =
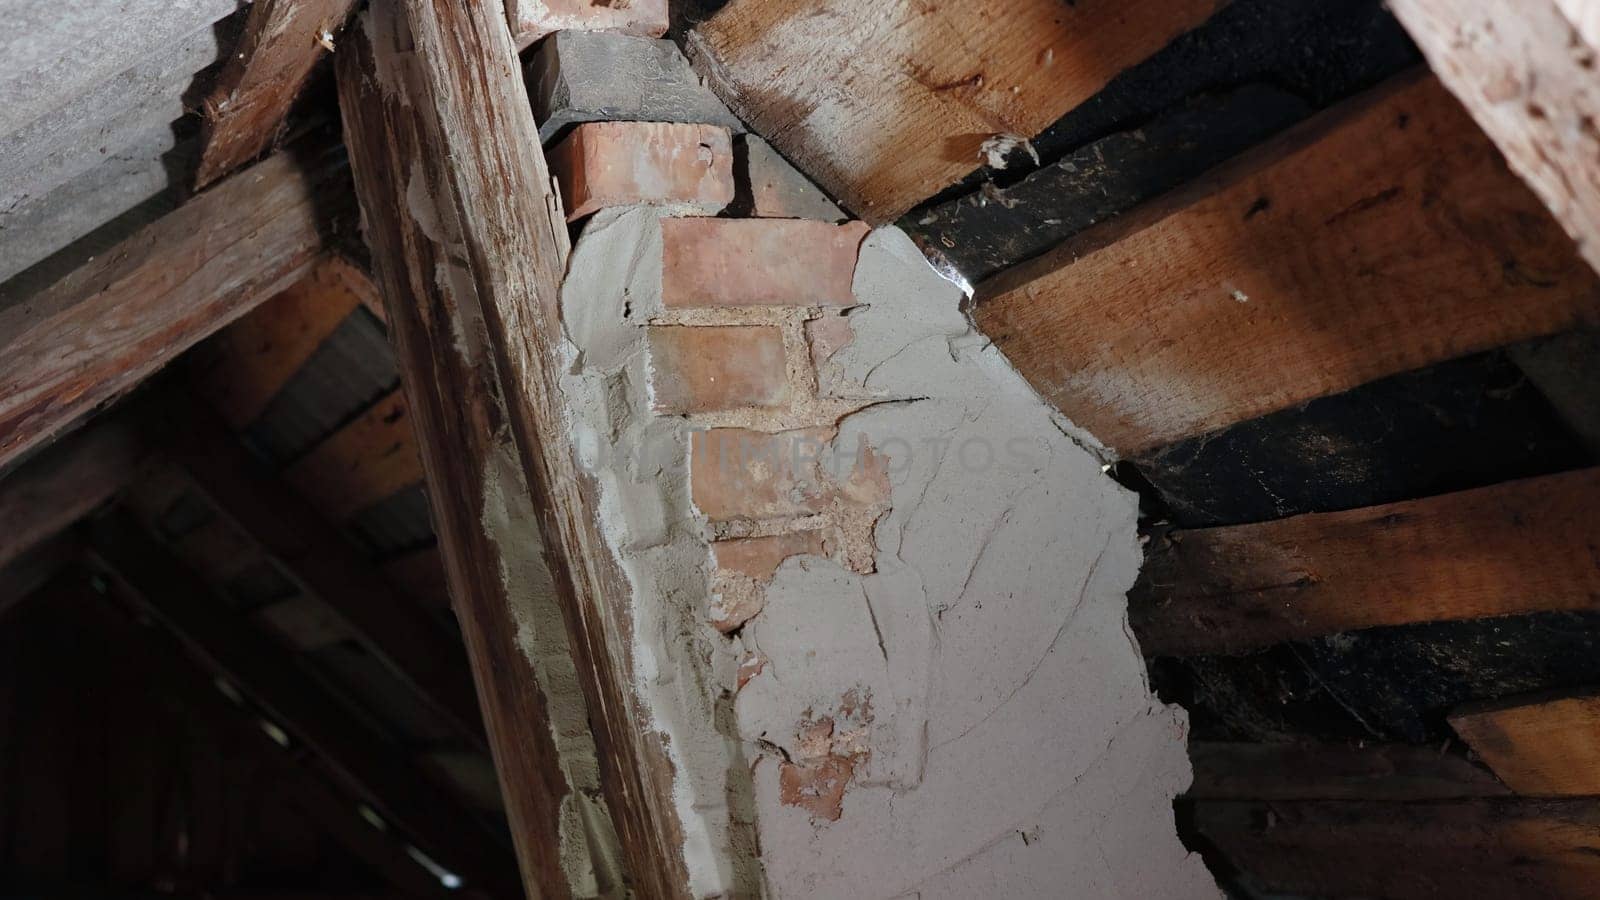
[(1008, 695)]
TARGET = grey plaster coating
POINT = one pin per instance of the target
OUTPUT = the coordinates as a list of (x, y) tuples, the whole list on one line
[(1014, 747)]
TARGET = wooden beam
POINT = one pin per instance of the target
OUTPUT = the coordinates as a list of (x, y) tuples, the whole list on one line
[(1541, 746), (884, 104), (404, 637), (1491, 847), (1392, 772), (367, 460), (245, 365), (62, 484), (1519, 547), (127, 312), (273, 679), (245, 111), (1379, 237), (1525, 69), (160, 659), (418, 102)]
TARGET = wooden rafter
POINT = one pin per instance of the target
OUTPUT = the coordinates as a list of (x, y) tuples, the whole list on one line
[(451, 177), (1518, 547), (399, 633), (282, 42), (269, 675), (884, 104), (1382, 236), (1526, 70), (122, 315)]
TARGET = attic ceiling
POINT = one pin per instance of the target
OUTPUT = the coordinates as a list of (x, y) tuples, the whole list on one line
[(299, 388)]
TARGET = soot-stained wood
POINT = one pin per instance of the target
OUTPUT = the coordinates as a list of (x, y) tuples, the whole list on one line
[(1334, 771), (1515, 547), (982, 233), (1388, 684), (1481, 847), (1292, 58), (1379, 237), (1463, 424)]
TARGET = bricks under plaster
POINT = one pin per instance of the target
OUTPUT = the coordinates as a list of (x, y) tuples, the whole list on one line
[(918, 653)]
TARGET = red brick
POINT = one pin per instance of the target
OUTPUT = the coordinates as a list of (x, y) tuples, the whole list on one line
[(758, 262), (760, 557), (604, 164), (736, 473), (827, 336), (533, 19), (707, 369)]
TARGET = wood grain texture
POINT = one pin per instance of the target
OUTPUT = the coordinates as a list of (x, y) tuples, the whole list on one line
[(286, 526), (270, 676), (452, 180), (1379, 237), (244, 366), (283, 40), (367, 460), (127, 312), (1482, 847), (1539, 746), (1525, 69), (884, 104), (64, 483), (1392, 772), (1519, 547)]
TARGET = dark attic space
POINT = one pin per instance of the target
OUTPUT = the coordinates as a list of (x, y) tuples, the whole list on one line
[(703, 449)]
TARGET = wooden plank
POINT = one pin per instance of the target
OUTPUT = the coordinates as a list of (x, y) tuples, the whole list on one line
[(1379, 237), (436, 99), (270, 676), (365, 461), (1490, 847), (1391, 772), (884, 104), (408, 641), (1525, 69), (125, 313), (1540, 746), (64, 483), (245, 111), (1518, 547), (244, 366)]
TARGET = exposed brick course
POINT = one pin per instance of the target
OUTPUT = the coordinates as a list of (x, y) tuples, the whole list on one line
[(604, 164), (695, 370), (758, 262)]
